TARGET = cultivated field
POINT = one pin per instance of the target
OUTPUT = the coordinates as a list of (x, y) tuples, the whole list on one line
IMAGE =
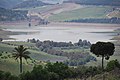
[(82, 13)]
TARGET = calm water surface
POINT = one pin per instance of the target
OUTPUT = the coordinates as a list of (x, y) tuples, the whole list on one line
[(67, 34)]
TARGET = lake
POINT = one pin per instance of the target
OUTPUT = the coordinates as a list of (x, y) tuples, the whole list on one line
[(67, 32)]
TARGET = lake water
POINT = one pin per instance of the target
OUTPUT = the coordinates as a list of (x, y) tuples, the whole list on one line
[(66, 33)]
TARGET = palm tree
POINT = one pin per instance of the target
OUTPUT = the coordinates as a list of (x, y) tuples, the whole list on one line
[(21, 52)]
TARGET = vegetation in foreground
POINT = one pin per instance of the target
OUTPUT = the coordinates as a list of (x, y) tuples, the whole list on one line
[(60, 71)]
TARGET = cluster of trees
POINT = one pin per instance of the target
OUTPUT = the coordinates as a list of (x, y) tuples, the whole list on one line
[(12, 15), (7, 76), (102, 20), (60, 71), (74, 58), (50, 44), (96, 2), (80, 61), (57, 48)]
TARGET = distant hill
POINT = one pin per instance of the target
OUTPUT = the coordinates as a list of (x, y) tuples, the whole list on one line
[(96, 2), (52, 1), (12, 15), (9, 3), (31, 3)]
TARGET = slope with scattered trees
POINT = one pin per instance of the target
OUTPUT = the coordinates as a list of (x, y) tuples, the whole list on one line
[(12, 15)]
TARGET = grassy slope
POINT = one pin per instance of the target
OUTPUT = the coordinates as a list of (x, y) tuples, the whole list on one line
[(12, 65), (86, 12)]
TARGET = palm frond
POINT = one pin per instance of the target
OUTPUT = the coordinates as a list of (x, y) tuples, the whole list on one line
[(26, 53), (26, 57), (16, 56)]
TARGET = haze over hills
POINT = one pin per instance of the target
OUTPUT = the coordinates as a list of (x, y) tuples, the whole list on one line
[(53, 1), (30, 3), (12, 3), (9, 3), (96, 2)]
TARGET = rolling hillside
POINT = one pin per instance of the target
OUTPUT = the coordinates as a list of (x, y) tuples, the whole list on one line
[(96, 2), (82, 13), (12, 15), (31, 3), (7, 63)]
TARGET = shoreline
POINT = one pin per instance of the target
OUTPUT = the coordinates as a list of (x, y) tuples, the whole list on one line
[(23, 25)]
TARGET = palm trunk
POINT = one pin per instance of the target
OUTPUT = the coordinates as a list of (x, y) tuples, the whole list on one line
[(102, 62), (20, 64)]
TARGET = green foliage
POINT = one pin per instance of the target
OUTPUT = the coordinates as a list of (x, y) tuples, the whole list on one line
[(19, 53), (111, 65), (11, 65), (7, 76), (38, 73), (55, 71), (59, 68), (104, 49), (60, 71)]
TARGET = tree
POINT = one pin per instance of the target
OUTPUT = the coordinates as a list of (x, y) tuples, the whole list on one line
[(59, 69), (21, 52), (104, 49)]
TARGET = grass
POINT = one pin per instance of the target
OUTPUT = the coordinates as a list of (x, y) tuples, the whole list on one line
[(11, 65), (87, 12), (73, 50)]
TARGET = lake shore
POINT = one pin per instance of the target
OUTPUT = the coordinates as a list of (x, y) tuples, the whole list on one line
[(22, 27)]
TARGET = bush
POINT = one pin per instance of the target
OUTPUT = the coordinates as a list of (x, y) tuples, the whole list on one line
[(112, 65), (7, 76)]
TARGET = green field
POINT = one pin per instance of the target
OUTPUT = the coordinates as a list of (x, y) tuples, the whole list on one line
[(12, 65), (86, 12), (7, 63)]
